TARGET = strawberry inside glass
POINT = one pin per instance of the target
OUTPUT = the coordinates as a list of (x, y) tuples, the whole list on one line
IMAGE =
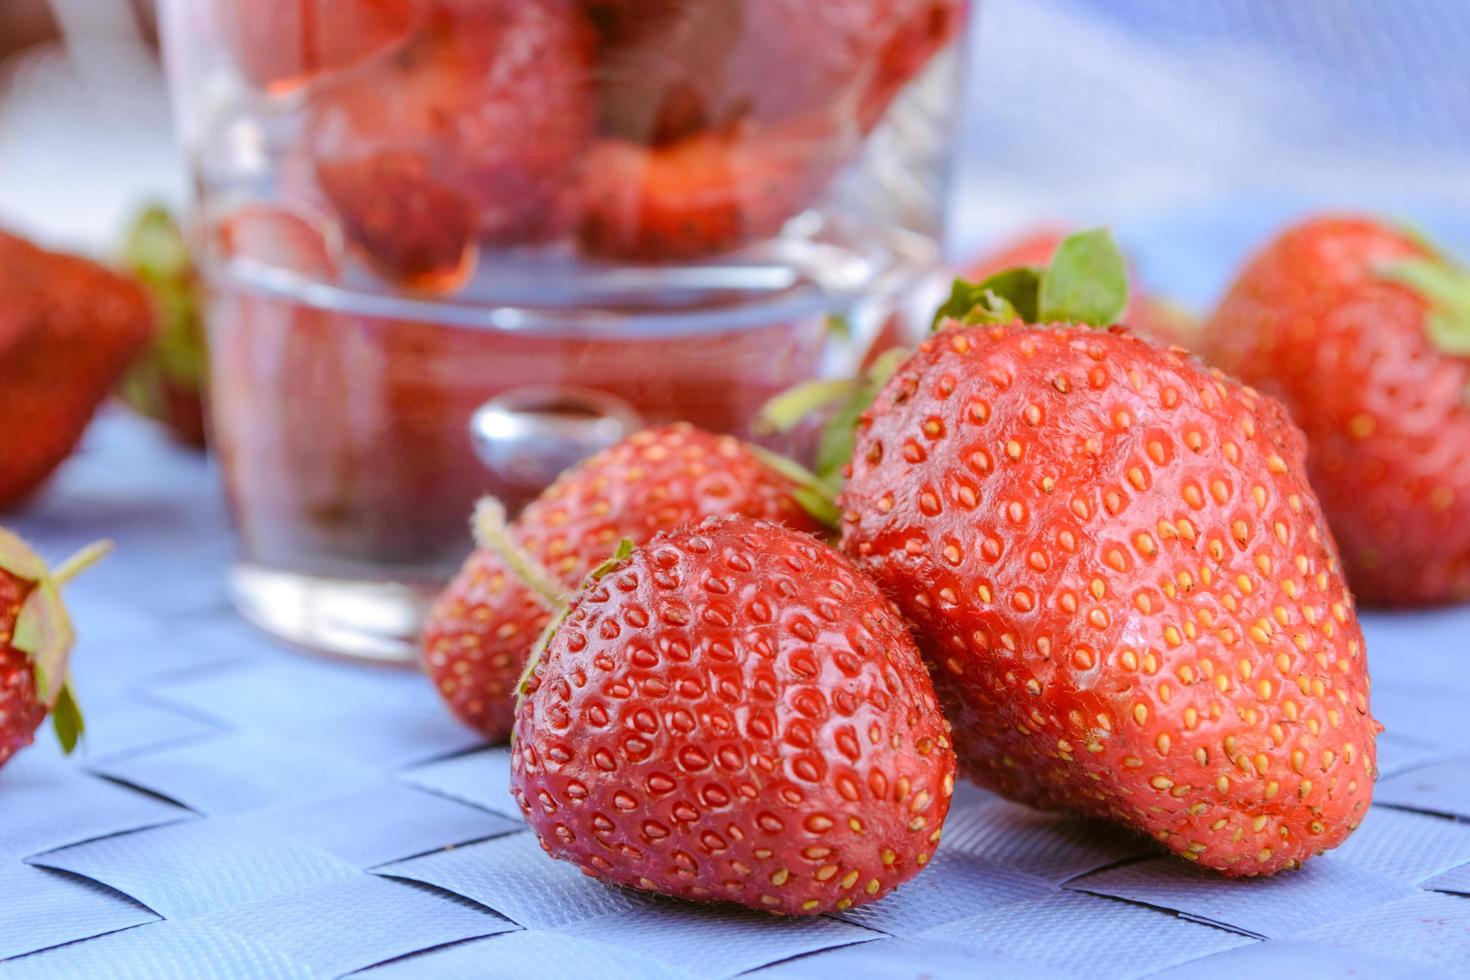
[(410, 208)]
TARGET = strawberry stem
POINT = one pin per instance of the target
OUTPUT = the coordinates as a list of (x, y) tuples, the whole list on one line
[(787, 410), (80, 562), (492, 531)]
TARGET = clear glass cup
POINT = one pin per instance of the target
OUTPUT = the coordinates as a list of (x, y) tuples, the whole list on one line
[(452, 246)]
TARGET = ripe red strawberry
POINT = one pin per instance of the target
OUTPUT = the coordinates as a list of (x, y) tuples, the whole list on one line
[(1123, 585), (491, 105), (735, 713), (35, 644), (68, 329), (483, 625), (1364, 331), (279, 44), (706, 194)]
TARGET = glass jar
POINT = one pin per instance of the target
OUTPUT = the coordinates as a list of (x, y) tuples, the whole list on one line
[(452, 246)]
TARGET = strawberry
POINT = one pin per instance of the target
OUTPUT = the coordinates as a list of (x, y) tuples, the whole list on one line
[(673, 68), (412, 229), (706, 194), (477, 123), (482, 627), (1119, 575), (68, 329), (166, 384), (279, 44), (1364, 331), (735, 713), (35, 645)]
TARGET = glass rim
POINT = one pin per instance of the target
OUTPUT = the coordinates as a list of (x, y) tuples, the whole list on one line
[(765, 294)]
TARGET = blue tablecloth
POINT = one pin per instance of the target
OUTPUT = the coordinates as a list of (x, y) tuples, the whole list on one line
[(241, 810)]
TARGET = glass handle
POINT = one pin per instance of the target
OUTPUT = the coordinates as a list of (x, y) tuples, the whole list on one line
[(527, 436)]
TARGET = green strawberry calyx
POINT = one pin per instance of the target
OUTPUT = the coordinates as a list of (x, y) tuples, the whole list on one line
[(1086, 281), (1445, 287), (43, 629), (493, 531), (157, 254)]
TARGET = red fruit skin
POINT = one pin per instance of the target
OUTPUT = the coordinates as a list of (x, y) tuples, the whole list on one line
[(183, 415), (495, 101), (476, 639), (709, 193), (68, 329), (1387, 415), (21, 713), (279, 44), (483, 625), (672, 68), (1124, 588), (735, 713)]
